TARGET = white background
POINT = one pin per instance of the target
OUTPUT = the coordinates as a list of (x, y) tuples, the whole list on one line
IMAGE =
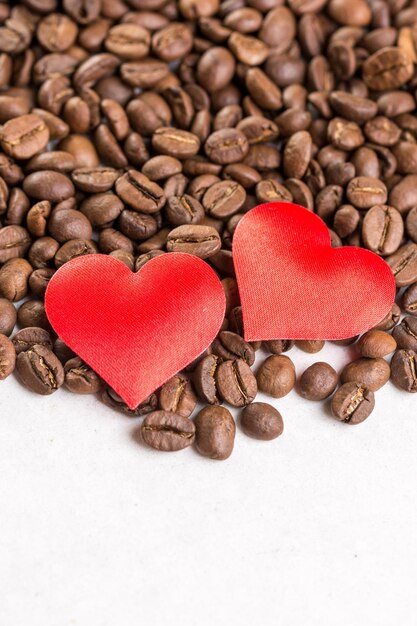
[(317, 527)]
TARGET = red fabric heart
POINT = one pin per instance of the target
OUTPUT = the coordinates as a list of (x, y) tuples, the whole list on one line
[(136, 330), (293, 285)]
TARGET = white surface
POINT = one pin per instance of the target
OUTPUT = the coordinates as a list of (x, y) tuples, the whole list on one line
[(317, 527)]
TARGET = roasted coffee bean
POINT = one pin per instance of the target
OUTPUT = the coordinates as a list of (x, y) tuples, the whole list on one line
[(94, 179), (14, 242), (310, 345), (215, 69), (318, 381), (403, 264), (391, 319), (276, 376), (388, 68), (183, 209), (48, 185), (215, 431), (201, 241), (204, 379), (167, 431), (32, 313), (7, 357), (39, 280), (40, 370), (404, 370), (230, 346), (261, 421), (79, 378), (352, 403), (138, 226), (376, 344), (405, 334), (128, 41), (8, 317), (382, 230), (67, 224), (73, 248), (32, 335), (176, 143), (14, 276), (365, 192), (24, 136), (277, 346), (101, 209), (224, 199), (297, 154), (409, 300), (373, 373), (236, 383), (177, 396), (139, 192), (227, 145)]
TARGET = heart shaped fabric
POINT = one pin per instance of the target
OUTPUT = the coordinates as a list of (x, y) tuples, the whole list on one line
[(293, 285), (136, 330)]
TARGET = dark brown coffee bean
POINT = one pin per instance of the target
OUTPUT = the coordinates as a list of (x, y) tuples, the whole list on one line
[(373, 373), (7, 357), (276, 376), (177, 396), (382, 230), (261, 421), (201, 241), (388, 68), (263, 90), (215, 69), (227, 145), (81, 379), (83, 11), (114, 401), (8, 317), (224, 199), (172, 42), (40, 370), (258, 129), (376, 344), (310, 345), (230, 346), (346, 220), (139, 192), (352, 403), (167, 431), (28, 337), (215, 431), (69, 224), (14, 242), (353, 107), (183, 209), (175, 142), (14, 276), (365, 192), (277, 346), (404, 370), (24, 136), (404, 264), (297, 154), (391, 319), (345, 134), (42, 251), (48, 185), (73, 248), (318, 381), (101, 209), (94, 180), (236, 383), (204, 379), (161, 167), (39, 280), (128, 41), (409, 300), (405, 334)]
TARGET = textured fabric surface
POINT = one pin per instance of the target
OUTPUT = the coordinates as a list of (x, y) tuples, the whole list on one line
[(136, 330), (293, 285)]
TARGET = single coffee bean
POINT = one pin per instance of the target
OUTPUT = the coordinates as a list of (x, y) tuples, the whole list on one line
[(175, 142), (48, 185), (365, 192), (167, 431), (40, 370), (276, 376), (388, 68), (227, 145), (101, 209), (310, 345), (39, 280), (404, 370), (409, 300), (73, 248), (373, 373), (30, 336), (8, 317), (7, 357), (183, 209), (204, 379), (382, 229), (224, 199), (14, 242), (297, 154), (351, 107), (229, 346), (177, 396), (215, 431), (61, 350), (114, 401), (69, 224), (261, 421), (318, 381), (201, 241), (94, 179), (79, 378), (215, 69), (391, 319), (236, 383), (139, 192), (32, 313), (403, 264), (403, 196), (352, 403), (405, 333), (277, 346), (14, 276), (376, 344), (129, 41), (24, 136)]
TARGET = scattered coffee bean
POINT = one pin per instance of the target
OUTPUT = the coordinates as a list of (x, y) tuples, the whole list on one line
[(79, 378), (8, 317), (236, 383), (318, 381), (404, 370), (352, 403), (276, 376), (215, 431), (32, 335), (177, 395), (376, 344), (373, 373), (40, 370), (261, 421), (7, 357), (405, 334), (167, 431)]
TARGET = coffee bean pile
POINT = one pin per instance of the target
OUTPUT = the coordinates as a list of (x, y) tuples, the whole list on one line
[(139, 127)]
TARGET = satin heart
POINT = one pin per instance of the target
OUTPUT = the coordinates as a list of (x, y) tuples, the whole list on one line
[(293, 285), (136, 330)]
